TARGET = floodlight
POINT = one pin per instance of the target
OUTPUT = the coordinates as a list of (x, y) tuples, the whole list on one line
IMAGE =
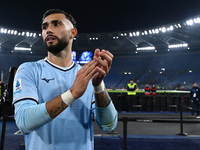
[(146, 48), (163, 29), (2, 30), (150, 32), (179, 25), (178, 45), (190, 22), (27, 34), (5, 30), (34, 35), (171, 28), (22, 48), (156, 31)]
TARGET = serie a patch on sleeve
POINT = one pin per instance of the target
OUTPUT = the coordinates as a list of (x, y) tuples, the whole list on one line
[(17, 86)]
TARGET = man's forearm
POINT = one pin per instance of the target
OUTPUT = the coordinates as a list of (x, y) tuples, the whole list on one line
[(102, 99), (55, 106)]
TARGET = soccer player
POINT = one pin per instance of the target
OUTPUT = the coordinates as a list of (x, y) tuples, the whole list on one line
[(53, 97)]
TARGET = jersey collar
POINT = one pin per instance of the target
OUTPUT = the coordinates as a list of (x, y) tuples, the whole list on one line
[(58, 67)]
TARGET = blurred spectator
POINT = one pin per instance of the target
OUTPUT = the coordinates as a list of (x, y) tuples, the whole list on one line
[(147, 90), (194, 96), (2, 88), (131, 92), (153, 89)]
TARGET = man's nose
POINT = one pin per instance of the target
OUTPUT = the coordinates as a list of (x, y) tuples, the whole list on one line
[(49, 30)]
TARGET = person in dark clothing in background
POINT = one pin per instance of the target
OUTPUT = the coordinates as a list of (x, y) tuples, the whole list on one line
[(194, 96), (2, 88)]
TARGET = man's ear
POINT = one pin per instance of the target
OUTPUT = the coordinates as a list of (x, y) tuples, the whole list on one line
[(73, 33)]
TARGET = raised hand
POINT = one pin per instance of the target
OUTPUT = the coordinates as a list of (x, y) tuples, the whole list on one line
[(82, 78), (103, 67)]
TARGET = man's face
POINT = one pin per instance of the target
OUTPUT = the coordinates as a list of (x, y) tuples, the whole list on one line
[(195, 85), (131, 81), (56, 32)]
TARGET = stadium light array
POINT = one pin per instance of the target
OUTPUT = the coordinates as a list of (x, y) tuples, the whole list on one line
[(8, 31), (193, 21), (127, 73), (178, 45), (115, 37), (93, 38), (145, 48), (123, 34), (15, 32), (22, 49)]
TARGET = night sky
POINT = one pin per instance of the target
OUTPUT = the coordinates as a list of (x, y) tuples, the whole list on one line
[(99, 15)]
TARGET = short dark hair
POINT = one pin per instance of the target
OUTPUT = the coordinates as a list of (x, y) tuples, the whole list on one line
[(131, 79), (59, 11)]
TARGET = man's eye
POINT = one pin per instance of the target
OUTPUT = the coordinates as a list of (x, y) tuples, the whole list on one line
[(56, 24), (44, 27)]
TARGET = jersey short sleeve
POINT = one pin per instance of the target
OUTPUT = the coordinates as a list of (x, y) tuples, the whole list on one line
[(24, 86)]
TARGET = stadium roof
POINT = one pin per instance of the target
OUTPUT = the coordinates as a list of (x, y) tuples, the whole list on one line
[(99, 15), (128, 27), (182, 35)]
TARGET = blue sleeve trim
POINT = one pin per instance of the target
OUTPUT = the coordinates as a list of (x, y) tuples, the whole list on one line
[(27, 98), (106, 118)]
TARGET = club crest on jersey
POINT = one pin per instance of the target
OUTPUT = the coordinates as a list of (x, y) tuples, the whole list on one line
[(18, 86)]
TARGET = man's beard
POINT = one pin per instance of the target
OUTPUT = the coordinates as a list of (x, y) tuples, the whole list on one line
[(57, 48)]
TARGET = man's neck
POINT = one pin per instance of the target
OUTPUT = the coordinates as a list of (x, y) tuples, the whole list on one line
[(63, 59)]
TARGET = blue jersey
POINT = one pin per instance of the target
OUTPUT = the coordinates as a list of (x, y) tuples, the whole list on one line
[(42, 81)]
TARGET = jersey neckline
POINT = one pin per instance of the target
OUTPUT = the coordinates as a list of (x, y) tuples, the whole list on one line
[(58, 67)]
